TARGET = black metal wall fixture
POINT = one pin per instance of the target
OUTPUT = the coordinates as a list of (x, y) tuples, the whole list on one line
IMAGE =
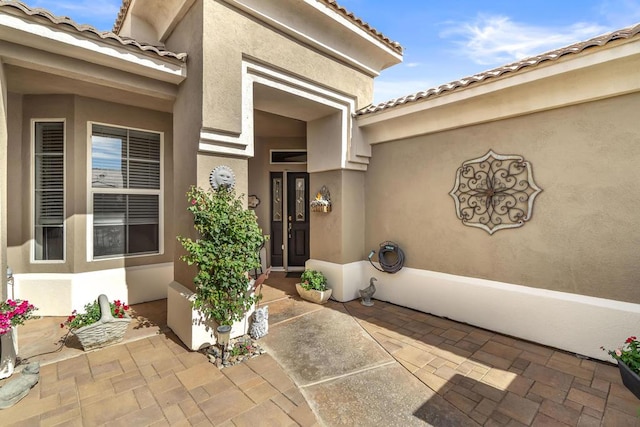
[(494, 192)]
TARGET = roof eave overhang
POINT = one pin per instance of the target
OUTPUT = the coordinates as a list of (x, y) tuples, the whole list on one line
[(504, 96), (53, 39), (378, 55)]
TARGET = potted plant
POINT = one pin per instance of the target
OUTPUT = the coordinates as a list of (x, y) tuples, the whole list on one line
[(226, 250), (628, 357), (103, 323), (313, 287), (12, 314)]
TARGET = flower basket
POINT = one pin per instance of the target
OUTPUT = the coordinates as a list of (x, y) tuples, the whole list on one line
[(106, 331), (630, 379), (319, 297)]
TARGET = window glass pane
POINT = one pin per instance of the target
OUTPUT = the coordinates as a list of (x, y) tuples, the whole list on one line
[(108, 240), (49, 191), (143, 238), (125, 224), (144, 145), (108, 166), (288, 156), (277, 199), (49, 243), (144, 175), (300, 201)]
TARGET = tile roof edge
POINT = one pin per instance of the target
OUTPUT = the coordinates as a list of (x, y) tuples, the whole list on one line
[(395, 46), (122, 13), (553, 55), (90, 30)]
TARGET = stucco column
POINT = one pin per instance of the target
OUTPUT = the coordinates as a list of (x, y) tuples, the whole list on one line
[(337, 237), (3, 184)]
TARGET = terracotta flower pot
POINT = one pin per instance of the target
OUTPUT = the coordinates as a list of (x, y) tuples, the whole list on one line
[(630, 379), (319, 297)]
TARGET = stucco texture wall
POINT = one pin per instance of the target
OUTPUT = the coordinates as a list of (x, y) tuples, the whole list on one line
[(77, 112), (230, 36), (583, 237), (337, 236)]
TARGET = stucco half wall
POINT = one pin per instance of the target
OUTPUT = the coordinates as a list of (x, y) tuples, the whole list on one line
[(576, 323), (57, 294)]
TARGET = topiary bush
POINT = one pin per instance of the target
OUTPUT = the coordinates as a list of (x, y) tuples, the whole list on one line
[(228, 247)]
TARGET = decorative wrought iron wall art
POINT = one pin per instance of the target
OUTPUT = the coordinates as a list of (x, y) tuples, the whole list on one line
[(494, 192)]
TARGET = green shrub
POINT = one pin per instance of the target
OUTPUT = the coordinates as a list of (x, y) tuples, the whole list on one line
[(228, 247), (312, 279)]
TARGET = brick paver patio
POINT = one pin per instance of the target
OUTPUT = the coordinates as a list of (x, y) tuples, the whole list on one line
[(154, 380)]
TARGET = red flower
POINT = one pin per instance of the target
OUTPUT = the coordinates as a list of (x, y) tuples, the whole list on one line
[(630, 340)]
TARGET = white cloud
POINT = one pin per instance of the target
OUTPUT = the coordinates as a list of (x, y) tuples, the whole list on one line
[(412, 64), (620, 13), (81, 7), (491, 40)]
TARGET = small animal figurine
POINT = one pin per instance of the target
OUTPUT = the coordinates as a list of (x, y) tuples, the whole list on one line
[(260, 324), (368, 292), (13, 391)]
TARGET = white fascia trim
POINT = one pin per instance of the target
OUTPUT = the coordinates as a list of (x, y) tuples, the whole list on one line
[(316, 43), (354, 28), (539, 72), (92, 51), (242, 145)]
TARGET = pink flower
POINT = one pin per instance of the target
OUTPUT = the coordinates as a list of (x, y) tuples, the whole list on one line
[(618, 352)]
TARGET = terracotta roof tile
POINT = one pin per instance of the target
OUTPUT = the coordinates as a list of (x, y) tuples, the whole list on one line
[(359, 22), (329, 3), (576, 48), (87, 30), (124, 8)]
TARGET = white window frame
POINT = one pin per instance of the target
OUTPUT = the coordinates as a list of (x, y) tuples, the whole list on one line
[(91, 190), (32, 189)]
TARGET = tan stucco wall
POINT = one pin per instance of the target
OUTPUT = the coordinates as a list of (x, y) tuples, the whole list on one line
[(205, 164), (583, 236), (337, 236), (77, 111), (3, 184), (187, 121), (230, 36)]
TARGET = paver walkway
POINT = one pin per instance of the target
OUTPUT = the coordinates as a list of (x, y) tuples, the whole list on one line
[(466, 374)]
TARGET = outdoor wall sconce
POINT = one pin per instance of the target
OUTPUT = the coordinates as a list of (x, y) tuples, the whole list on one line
[(494, 192), (322, 202)]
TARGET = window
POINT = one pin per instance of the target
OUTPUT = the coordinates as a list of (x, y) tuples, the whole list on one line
[(125, 191), (296, 157), (48, 191)]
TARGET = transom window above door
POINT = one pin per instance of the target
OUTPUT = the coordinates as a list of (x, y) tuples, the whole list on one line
[(293, 156)]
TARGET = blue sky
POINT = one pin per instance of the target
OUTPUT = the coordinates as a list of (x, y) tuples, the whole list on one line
[(443, 40)]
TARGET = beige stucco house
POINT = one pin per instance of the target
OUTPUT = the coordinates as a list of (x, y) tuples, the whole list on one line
[(103, 133)]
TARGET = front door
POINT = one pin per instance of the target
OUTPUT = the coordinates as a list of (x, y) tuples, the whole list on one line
[(289, 220)]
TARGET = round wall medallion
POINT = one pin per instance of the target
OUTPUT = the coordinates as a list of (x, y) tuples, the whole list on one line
[(222, 176)]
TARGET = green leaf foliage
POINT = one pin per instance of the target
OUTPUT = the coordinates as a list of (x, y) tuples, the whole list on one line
[(312, 279), (228, 247)]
